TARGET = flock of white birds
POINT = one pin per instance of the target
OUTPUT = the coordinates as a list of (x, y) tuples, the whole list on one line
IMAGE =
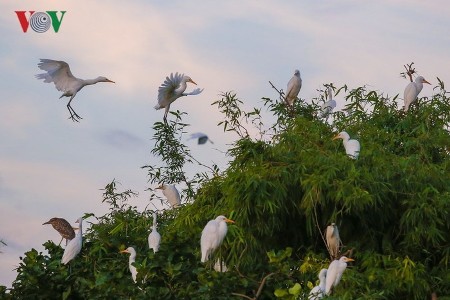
[(215, 230)]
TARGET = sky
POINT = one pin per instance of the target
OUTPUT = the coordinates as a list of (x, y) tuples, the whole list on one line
[(53, 167)]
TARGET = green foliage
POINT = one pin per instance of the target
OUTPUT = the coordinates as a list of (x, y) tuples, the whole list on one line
[(282, 188)]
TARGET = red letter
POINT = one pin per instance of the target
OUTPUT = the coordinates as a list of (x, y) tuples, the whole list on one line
[(24, 22)]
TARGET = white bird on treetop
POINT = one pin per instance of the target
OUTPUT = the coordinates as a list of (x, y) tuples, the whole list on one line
[(213, 235), (74, 246), (131, 260), (333, 240), (318, 291), (328, 106), (59, 73), (154, 238), (63, 227), (334, 273), (351, 146), (293, 88), (412, 90), (202, 138), (171, 193), (172, 89)]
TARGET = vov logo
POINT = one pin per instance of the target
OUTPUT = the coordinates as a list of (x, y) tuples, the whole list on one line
[(40, 21)]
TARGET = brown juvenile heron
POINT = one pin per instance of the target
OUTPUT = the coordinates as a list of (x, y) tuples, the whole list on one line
[(63, 227)]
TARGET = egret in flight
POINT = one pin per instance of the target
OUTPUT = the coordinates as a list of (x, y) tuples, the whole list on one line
[(333, 240), (213, 235), (412, 90), (131, 260), (63, 227), (334, 273), (74, 246), (171, 193), (328, 106), (319, 290), (59, 73), (154, 238), (201, 138), (352, 147), (293, 87), (172, 89)]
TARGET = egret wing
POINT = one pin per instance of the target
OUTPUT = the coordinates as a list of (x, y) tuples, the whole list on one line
[(168, 87), (194, 92), (58, 72)]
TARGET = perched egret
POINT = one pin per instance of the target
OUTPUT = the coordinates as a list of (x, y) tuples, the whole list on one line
[(63, 227), (293, 87), (412, 90), (171, 193), (328, 106), (213, 235), (131, 260), (333, 240), (74, 246), (319, 290), (201, 138), (220, 266), (352, 147), (172, 89), (334, 273), (59, 73), (154, 238)]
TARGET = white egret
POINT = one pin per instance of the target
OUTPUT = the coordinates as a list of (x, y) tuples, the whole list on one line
[(63, 227), (351, 146), (328, 106), (59, 73), (412, 90), (334, 273), (333, 240), (172, 89), (131, 260), (171, 193), (74, 246), (318, 291), (154, 238), (201, 138), (213, 235), (220, 266), (293, 87)]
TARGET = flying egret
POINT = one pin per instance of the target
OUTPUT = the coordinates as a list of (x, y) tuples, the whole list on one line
[(202, 138), (59, 73), (318, 291), (172, 89), (412, 90), (328, 106), (334, 273), (333, 240), (171, 193), (63, 227), (213, 235), (154, 238), (74, 246), (131, 260), (293, 87), (351, 146)]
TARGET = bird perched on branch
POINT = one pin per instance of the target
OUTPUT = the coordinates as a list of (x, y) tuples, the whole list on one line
[(59, 73), (293, 88), (154, 238), (318, 291), (171, 193), (328, 106), (333, 240), (352, 147), (412, 90), (172, 89), (131, 260), (334, 273), (74, 246), (213, 235), (63, 227)]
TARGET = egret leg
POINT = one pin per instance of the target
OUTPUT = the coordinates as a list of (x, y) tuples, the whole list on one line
[(61, 241), (73, 115), (165, 113)]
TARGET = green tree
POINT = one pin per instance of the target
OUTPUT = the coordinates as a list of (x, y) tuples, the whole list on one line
[(282, 188)]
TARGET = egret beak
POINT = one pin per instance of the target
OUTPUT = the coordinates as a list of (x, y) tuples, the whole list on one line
[(159, 187), (229, 221), (107, 80), (349, 259), (424, 81), (192, 81), (336, 137), (124, 251), (46, 223)]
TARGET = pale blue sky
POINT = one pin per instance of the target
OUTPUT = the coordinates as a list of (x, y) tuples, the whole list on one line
[(50, 166)]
